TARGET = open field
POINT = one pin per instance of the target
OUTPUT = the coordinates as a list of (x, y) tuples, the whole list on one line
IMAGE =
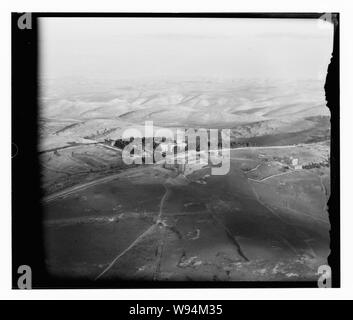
[(264, 220), (152, 224), (70, 166)]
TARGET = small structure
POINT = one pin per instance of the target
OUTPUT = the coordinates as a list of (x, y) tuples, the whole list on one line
[(295, 164)]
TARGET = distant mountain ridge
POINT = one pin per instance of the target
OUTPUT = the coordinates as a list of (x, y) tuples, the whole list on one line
[(250, 109)]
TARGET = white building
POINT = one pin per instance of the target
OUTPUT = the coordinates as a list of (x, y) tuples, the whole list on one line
[(295, 164)]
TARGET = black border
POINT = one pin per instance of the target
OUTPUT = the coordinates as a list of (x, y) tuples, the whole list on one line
[(27, 244)]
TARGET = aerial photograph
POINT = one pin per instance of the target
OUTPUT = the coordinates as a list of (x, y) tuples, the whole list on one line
[(184, 149)]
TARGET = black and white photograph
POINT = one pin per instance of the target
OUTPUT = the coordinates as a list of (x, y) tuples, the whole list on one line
[(184, 150)]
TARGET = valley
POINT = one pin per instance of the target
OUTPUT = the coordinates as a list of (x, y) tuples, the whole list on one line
[(266, 220)]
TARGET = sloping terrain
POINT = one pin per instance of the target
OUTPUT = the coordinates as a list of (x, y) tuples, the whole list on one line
[(251, 109), (148, 225), (264, 220)]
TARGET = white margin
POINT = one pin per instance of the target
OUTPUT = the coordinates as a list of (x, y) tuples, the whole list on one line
[(346, 27)]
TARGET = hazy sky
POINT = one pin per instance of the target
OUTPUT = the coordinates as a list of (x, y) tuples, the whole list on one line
[(125, 48)]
